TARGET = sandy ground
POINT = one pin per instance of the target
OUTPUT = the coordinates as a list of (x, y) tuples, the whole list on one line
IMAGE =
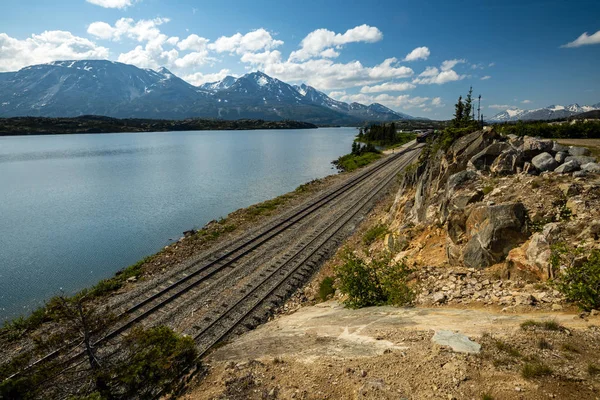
[(329, 352)]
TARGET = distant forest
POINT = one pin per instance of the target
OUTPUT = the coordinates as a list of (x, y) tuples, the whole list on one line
[(98, 124)]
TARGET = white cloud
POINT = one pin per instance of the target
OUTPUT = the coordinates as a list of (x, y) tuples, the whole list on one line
[(329, 53), (251, 42), (189, 60), (388, 87), (526, 101), (491, 64), (402, 101), (193, 42), (322, 39), (449, 64), (429, 71), (198, 78), (262, 59), (337, 95), (502, 107), (437, 102), (142, 30), (485, 78), (420, 53), (325, 74), (584, 40), (440, 78), (112, 3), (45, 47)]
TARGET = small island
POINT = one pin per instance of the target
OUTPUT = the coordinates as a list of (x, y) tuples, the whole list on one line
[(98, 124)]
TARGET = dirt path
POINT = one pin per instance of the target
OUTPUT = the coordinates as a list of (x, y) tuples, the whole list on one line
[(328, 351)]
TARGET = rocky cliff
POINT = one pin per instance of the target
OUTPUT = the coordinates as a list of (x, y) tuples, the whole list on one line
[(483, 218)]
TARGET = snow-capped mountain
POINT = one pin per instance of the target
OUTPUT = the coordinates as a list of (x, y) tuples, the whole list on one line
[(73, 88), (551, 112)]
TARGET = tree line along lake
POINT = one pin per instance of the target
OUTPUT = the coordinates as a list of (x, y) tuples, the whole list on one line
[(75, 209)]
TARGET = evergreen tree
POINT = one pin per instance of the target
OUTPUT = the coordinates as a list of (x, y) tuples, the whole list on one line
[(468, 108), (459, 108)]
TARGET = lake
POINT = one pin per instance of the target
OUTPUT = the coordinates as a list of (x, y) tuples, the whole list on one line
[(75, 209)]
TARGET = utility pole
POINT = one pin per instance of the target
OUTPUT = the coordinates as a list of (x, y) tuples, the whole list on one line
[(479, 115)]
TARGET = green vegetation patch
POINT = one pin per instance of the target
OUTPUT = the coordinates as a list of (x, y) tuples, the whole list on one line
[(351, 162), (326, 288), (535, 370), (580, 283), (578, 130), (544, 325), (378, 282), (375, 233)]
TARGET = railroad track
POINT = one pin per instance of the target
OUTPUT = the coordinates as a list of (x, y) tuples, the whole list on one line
[(299, 266), (220, 263)]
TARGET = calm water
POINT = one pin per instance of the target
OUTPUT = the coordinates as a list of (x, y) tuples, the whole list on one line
[(76, 208)]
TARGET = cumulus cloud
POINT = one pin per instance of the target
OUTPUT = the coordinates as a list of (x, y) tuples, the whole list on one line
[(193, 42), (445, 74), (437, 102), (526, 101), (402, 101), (584, 40), (449, 64), (322, 39), (337, 94), (441, 78), (485, 78), (420, 53), (112, 3), (253, 41), (45, 47), (141, 31), (502, 107), (388, 87), (198, 78), (325, 74)]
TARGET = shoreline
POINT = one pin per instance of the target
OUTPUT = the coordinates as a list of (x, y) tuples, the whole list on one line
[(91, 124)]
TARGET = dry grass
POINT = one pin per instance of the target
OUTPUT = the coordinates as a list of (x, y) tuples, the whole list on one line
[(592, 144)]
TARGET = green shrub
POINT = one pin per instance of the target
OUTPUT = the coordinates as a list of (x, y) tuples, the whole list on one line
[(486, 396), (507, 348), (351, 162), (545, 325), (374, 233), (581, 283), (376, 283), (155, 360), (326, 288), (543, 344), (535, 370)]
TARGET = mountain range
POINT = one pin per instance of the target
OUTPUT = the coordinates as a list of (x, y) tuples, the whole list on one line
[(546, 113), (99, 87)]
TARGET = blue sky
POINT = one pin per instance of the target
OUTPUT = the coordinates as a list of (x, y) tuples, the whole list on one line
[(412, 57)]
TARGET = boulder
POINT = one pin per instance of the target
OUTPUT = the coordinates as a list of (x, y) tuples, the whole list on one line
[(556, 148), (591, 167), (507, 162), (486, 157), (534, 146), (578, 151), (567, 167), (580, 174), (529, 169), (581, 159), (492, 231), (467, 146), (544, 162), (539, 251), (458, 342), (560, 156), (457, 180)]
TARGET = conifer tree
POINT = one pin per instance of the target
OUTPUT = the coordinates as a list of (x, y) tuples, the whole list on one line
[(458, 113)]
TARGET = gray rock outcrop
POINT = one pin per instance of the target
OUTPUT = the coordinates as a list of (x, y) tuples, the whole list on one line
[(544, 162), (567, 167)]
